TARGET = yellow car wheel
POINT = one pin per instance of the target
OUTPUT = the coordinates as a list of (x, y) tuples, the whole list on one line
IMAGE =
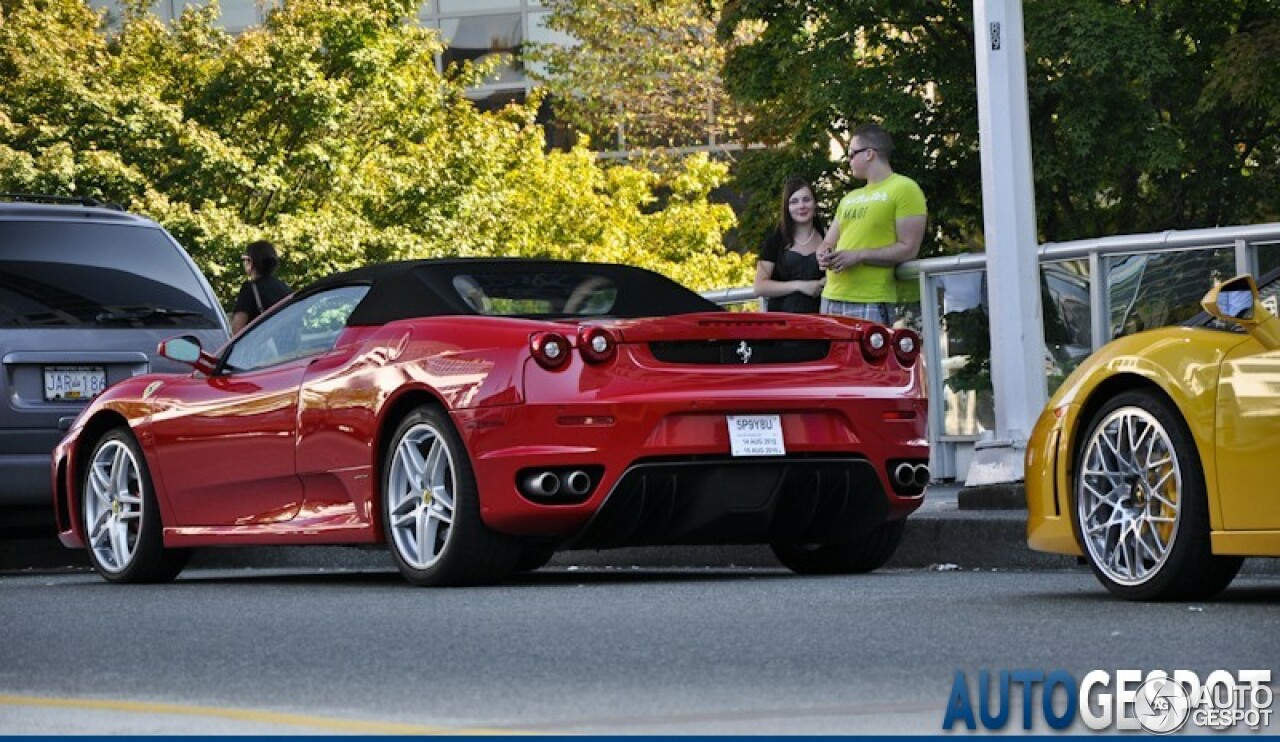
[(1140, 509)]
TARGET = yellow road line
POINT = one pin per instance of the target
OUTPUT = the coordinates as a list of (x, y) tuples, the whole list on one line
[(266, 717)]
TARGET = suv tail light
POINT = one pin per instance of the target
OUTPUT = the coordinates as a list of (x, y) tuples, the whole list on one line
[(906, 346), (875, 344), (597, 344), (549, 349)]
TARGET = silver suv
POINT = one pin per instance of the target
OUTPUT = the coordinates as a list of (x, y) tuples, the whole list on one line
[(86, 294)]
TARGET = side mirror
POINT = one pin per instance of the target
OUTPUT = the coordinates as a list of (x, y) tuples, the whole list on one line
[(1237, 301), (1238, 304), (186, 349)]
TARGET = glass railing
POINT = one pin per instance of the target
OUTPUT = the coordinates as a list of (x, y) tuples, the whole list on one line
[(1091, 291)]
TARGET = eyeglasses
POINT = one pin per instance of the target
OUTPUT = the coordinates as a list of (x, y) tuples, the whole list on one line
[(856, 152)]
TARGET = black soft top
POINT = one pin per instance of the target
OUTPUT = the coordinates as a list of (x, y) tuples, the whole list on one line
[(523, 287)]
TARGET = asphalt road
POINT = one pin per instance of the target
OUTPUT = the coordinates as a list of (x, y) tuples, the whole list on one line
[(588, 650)]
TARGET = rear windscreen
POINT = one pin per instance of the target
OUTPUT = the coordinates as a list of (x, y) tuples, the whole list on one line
[(537, 293), (56, 274)]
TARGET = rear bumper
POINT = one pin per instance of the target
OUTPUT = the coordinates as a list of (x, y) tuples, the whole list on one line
[(676, 454)]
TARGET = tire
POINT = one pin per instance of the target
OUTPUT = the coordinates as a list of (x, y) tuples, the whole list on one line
[(533, 557), (866, 554), (431, 508), (122, 523), (1139, 506)]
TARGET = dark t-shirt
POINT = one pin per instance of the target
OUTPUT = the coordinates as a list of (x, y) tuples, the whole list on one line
[(270, 288), (789, 265)]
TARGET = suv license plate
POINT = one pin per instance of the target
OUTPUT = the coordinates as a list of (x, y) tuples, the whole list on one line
[(756, 435), (73, 383)]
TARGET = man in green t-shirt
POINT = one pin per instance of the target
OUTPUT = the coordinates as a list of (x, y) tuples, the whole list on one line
[(876, 227)]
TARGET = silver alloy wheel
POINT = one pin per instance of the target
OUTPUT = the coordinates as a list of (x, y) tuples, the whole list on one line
[(113, 505), (420, 495), (1129, 496)]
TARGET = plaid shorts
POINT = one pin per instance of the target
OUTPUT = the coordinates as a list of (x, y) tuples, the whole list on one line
[(882, 313)]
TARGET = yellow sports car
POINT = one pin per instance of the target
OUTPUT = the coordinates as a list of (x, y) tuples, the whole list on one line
[(1156, 459)]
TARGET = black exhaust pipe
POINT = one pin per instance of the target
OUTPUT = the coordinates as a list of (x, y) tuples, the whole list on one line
[(922, 476), (904, 475)]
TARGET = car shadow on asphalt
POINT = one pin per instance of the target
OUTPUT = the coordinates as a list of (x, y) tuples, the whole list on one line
[(1251, 593)]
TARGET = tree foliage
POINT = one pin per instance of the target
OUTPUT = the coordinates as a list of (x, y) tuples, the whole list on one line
[(651, 69), (1144, 115), (330, 131)]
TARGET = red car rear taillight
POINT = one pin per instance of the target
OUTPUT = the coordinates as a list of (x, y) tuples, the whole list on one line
[(906, 346), (597, 344), (875, 344), (549, 349)]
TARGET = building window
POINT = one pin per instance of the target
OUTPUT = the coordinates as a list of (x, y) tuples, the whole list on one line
[(234, 15), (475, 29), (238, 15), (475, 38)]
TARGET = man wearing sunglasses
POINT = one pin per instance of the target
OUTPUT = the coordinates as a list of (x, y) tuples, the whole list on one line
[(876, 227)]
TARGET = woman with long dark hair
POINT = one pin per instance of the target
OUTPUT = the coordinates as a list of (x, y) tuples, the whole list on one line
[(787, 272)]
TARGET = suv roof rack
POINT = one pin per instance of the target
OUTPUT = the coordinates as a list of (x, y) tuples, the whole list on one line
[(41, 198)]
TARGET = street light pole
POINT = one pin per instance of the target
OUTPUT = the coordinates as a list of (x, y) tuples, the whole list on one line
[(1009, 224)]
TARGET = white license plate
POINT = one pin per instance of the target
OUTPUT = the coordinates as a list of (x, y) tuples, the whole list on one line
[(73, 383), (756, 435)]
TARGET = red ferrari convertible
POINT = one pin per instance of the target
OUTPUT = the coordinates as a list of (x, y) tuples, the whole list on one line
[(478, 415)]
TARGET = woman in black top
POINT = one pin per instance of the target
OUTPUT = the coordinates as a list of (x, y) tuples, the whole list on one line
[(787, 272), (262, 289)]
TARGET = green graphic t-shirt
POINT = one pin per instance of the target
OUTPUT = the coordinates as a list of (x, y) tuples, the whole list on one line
[(868, 219)]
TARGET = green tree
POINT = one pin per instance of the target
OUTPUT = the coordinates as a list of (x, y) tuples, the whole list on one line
[(1144, 115), (648, 69), (330, 131)]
